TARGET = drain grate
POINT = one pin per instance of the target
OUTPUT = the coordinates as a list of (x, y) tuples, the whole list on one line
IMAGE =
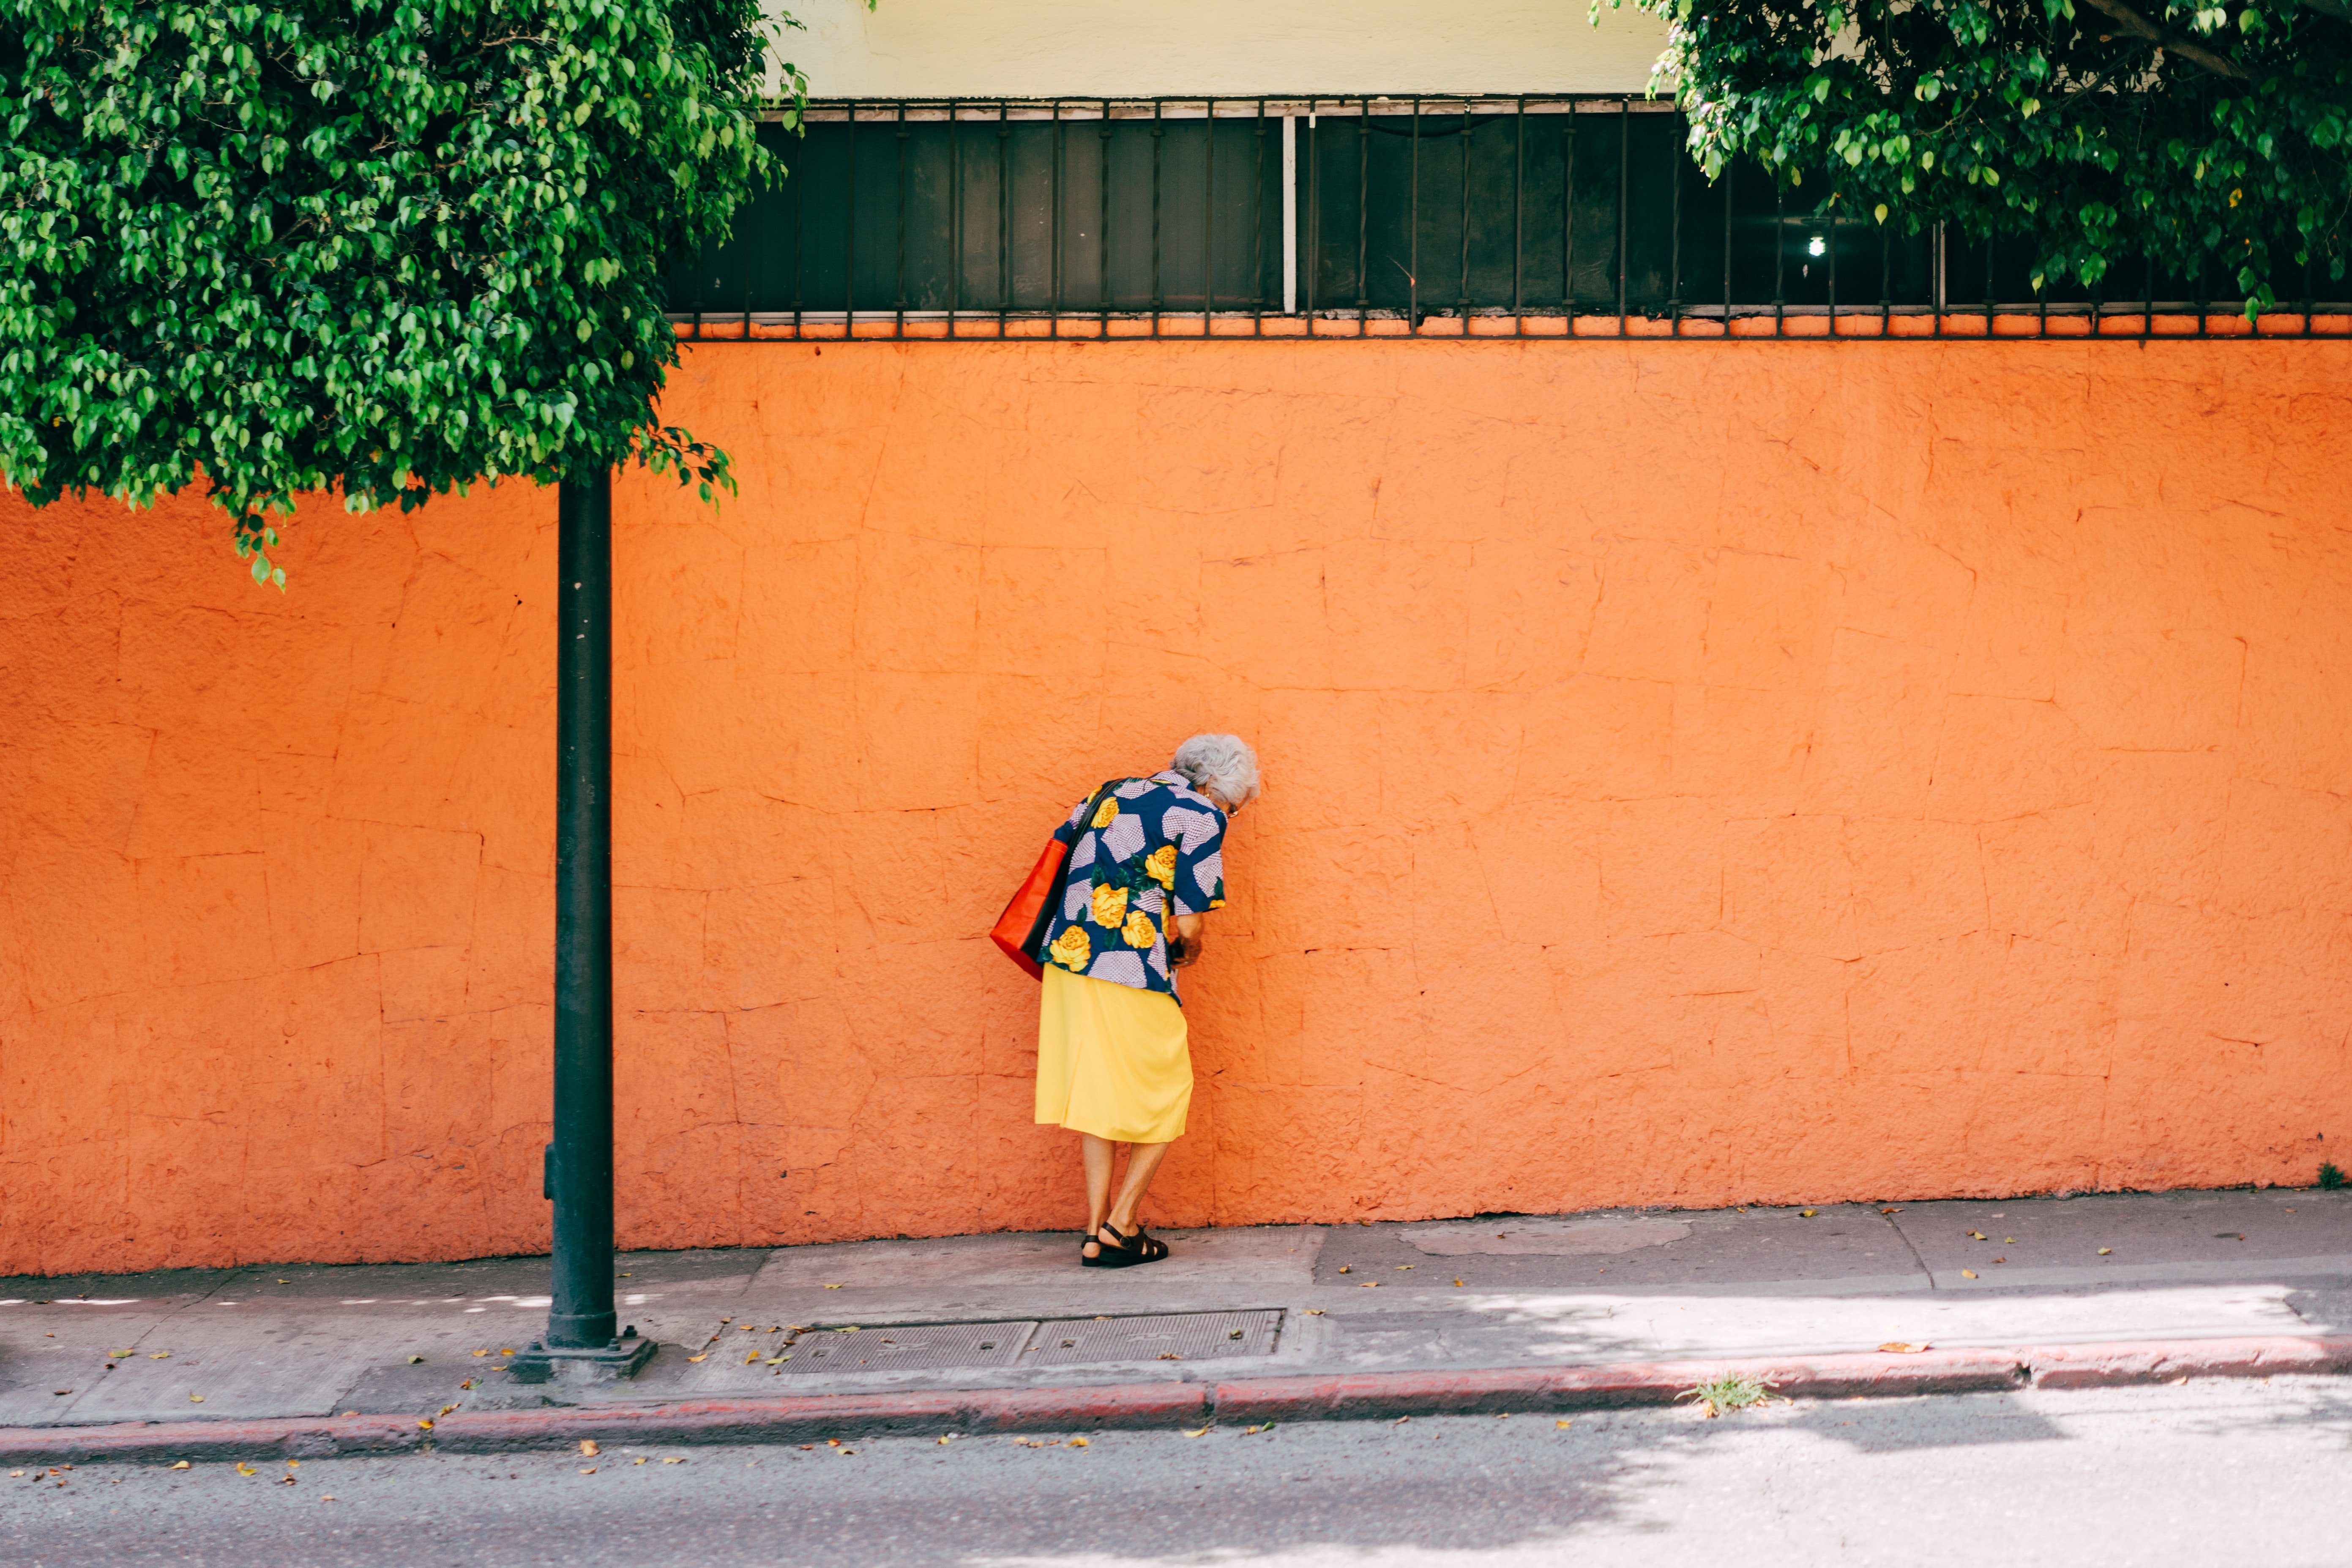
[(908, 1347), (922, 1347), (1187, 1336)]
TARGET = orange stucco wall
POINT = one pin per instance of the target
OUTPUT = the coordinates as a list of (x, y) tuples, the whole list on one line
[(1695, 772)]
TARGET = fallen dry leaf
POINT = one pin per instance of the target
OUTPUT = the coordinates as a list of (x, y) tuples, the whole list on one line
[(180, 1466), (1457, 1284), (671, 1461), (2000, 1260), (1370, 1284), (749, 1359), (1344, 1268), (2009, 1241), (416, 1361), (1563, 1424), (943, 1438), (1198, 1432), (327, 1497), (1805, 1214), (832, 1287), (160, 1355), (1404, 1266), (351, 1413), (193, 1398), (506, 1352), (481, 1352), (704, 1356), (245, 1469), (1977, 1235), (467, 1384), (1898, 1347), (1314, 1311), (286, 1481), (1890, 1210), (2105, 1250), (588, 1448), (1078, 1442), (590, 1470), (640, 1461), (424, 1424), (446, 1408), (1968, 1273), (1170, 1355)]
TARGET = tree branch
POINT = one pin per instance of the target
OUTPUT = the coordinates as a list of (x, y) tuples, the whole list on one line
[(2164, 38)]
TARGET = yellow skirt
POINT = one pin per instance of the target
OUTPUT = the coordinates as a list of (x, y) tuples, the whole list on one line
[(1112, 1061)]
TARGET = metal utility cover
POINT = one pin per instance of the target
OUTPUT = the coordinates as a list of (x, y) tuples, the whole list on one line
[(907, 1347), (1187, 1336)]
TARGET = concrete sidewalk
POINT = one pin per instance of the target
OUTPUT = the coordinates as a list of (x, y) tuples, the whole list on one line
[(1605, 1307)]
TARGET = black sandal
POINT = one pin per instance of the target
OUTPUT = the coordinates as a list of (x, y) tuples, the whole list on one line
[(1113, 1254), (1152, 1247)]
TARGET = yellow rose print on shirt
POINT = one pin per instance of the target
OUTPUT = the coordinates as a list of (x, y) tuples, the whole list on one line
[(1072, 951), (1107, 812), (1160, 866), (1110, 906), (1141, 932)]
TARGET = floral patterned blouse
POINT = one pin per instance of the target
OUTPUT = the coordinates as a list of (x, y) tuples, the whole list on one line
[(1154, 846)]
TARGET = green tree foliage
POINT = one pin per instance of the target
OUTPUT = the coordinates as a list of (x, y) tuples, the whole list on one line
[(391, 246), (2216, 140)]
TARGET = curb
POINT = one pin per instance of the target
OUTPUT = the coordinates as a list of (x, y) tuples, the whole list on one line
[(1132, 1407)]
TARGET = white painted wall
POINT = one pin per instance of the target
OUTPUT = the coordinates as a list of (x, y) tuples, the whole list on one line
[(1039, 48)]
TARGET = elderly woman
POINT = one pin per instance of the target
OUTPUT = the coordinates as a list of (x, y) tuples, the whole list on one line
[(1146, 864)]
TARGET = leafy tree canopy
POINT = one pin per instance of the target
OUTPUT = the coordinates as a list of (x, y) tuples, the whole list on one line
[(393, 245), (2214, 139)]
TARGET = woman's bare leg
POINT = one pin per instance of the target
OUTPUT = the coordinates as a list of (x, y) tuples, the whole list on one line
[(1098, 1152), (1142, 1164)]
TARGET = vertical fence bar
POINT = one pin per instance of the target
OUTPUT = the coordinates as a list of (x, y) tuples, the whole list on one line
[(1412, 230), (1519, 220), (1730, 174), (2148, 298), (1832, 226), (1674, 259), (1209, 225), (800, 250), (955, 219), (900, 143), (1102, 234), (1568, 222), (1624, 186), (1886, 283), (1779, 258), (1004, 215), (1056, 170), (1158, 129), (1990, 292), (1469, 130), (1363, 206), (1314, 213), (849, 229)]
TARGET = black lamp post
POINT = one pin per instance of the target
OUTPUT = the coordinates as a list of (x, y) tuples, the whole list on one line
[(583, 1332)]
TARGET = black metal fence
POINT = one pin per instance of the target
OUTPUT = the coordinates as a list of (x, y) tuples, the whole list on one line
[(1363, 217)]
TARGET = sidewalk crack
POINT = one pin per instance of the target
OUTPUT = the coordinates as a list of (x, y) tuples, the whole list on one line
[(1895, 1225)]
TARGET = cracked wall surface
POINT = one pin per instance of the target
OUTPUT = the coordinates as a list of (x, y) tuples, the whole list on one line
[(1695, 773)]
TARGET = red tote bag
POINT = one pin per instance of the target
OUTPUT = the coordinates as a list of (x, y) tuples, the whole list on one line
[(1020, 931)]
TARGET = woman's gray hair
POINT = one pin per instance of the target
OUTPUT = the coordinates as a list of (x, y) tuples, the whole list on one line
[(1220, 765)]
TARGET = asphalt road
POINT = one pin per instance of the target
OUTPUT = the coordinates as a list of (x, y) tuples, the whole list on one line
[(2206, 1474)]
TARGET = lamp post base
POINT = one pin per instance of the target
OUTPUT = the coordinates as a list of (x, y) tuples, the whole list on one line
[(624, 1357)]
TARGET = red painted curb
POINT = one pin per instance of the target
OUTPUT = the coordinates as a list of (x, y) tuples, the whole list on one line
[(1356, 1395)]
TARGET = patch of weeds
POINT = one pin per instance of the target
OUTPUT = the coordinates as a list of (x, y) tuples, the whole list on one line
[(2330, 1178), (1732, 1391)]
